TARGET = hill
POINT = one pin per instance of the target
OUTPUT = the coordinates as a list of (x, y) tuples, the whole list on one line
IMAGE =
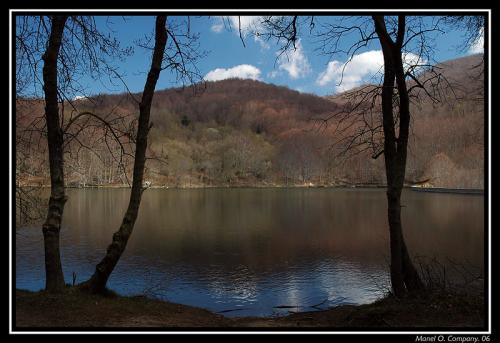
[(245, 132), (447, 123)]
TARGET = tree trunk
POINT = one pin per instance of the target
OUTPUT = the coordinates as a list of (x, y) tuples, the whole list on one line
[(411, 278), (97, 283), (404, 276), (52, 226)]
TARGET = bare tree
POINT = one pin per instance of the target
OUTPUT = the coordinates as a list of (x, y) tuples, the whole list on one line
[(97, 283), (115, 131), (59, 42), (52, 225), (358, 127), (179, 57), (403, 274)]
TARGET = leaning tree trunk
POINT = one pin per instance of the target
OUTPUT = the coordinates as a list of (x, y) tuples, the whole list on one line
[(52, 225), (404, 276), (97, 283)]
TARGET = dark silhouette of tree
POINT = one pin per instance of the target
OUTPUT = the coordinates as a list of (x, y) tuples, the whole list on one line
[(52, 225), (403, 274), (356, 128), (179, 57), (77, 47), (60, 42), (97, 283)]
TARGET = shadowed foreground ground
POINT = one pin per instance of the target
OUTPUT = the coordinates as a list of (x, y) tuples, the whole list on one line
[(74, 309)]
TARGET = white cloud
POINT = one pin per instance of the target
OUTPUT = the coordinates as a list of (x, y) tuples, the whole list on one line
[(360, 69), (272, 74), (217, 27), (246, 24), (242, 71), (477, 46), (348, 75), (295, 63), (263, 44)]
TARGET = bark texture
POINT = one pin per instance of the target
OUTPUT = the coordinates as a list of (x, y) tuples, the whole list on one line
[(52, 225)]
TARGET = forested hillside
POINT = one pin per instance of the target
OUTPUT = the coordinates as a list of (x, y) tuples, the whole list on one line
[(245, 132)]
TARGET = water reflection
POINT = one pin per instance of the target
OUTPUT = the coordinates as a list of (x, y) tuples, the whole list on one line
[(253, 250)]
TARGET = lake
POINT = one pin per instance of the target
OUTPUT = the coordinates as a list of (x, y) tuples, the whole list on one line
[(258, 252)]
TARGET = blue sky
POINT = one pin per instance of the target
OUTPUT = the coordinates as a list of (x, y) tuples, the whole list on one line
[(306, 69)]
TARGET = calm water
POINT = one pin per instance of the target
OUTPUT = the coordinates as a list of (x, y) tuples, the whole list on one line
[(254, 251)]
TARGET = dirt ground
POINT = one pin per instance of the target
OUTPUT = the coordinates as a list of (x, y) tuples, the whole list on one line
[(73, 309)]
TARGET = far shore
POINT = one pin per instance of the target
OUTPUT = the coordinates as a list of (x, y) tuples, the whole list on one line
[(264, 186)]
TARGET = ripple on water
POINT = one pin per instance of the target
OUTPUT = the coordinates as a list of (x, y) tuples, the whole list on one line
[(253, 252)]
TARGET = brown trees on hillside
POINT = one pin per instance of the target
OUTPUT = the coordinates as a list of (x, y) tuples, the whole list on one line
[(189, 155)]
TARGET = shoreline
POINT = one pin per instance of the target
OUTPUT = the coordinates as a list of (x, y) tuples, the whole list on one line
[(72, 308), (448, 190), (470, 191)]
